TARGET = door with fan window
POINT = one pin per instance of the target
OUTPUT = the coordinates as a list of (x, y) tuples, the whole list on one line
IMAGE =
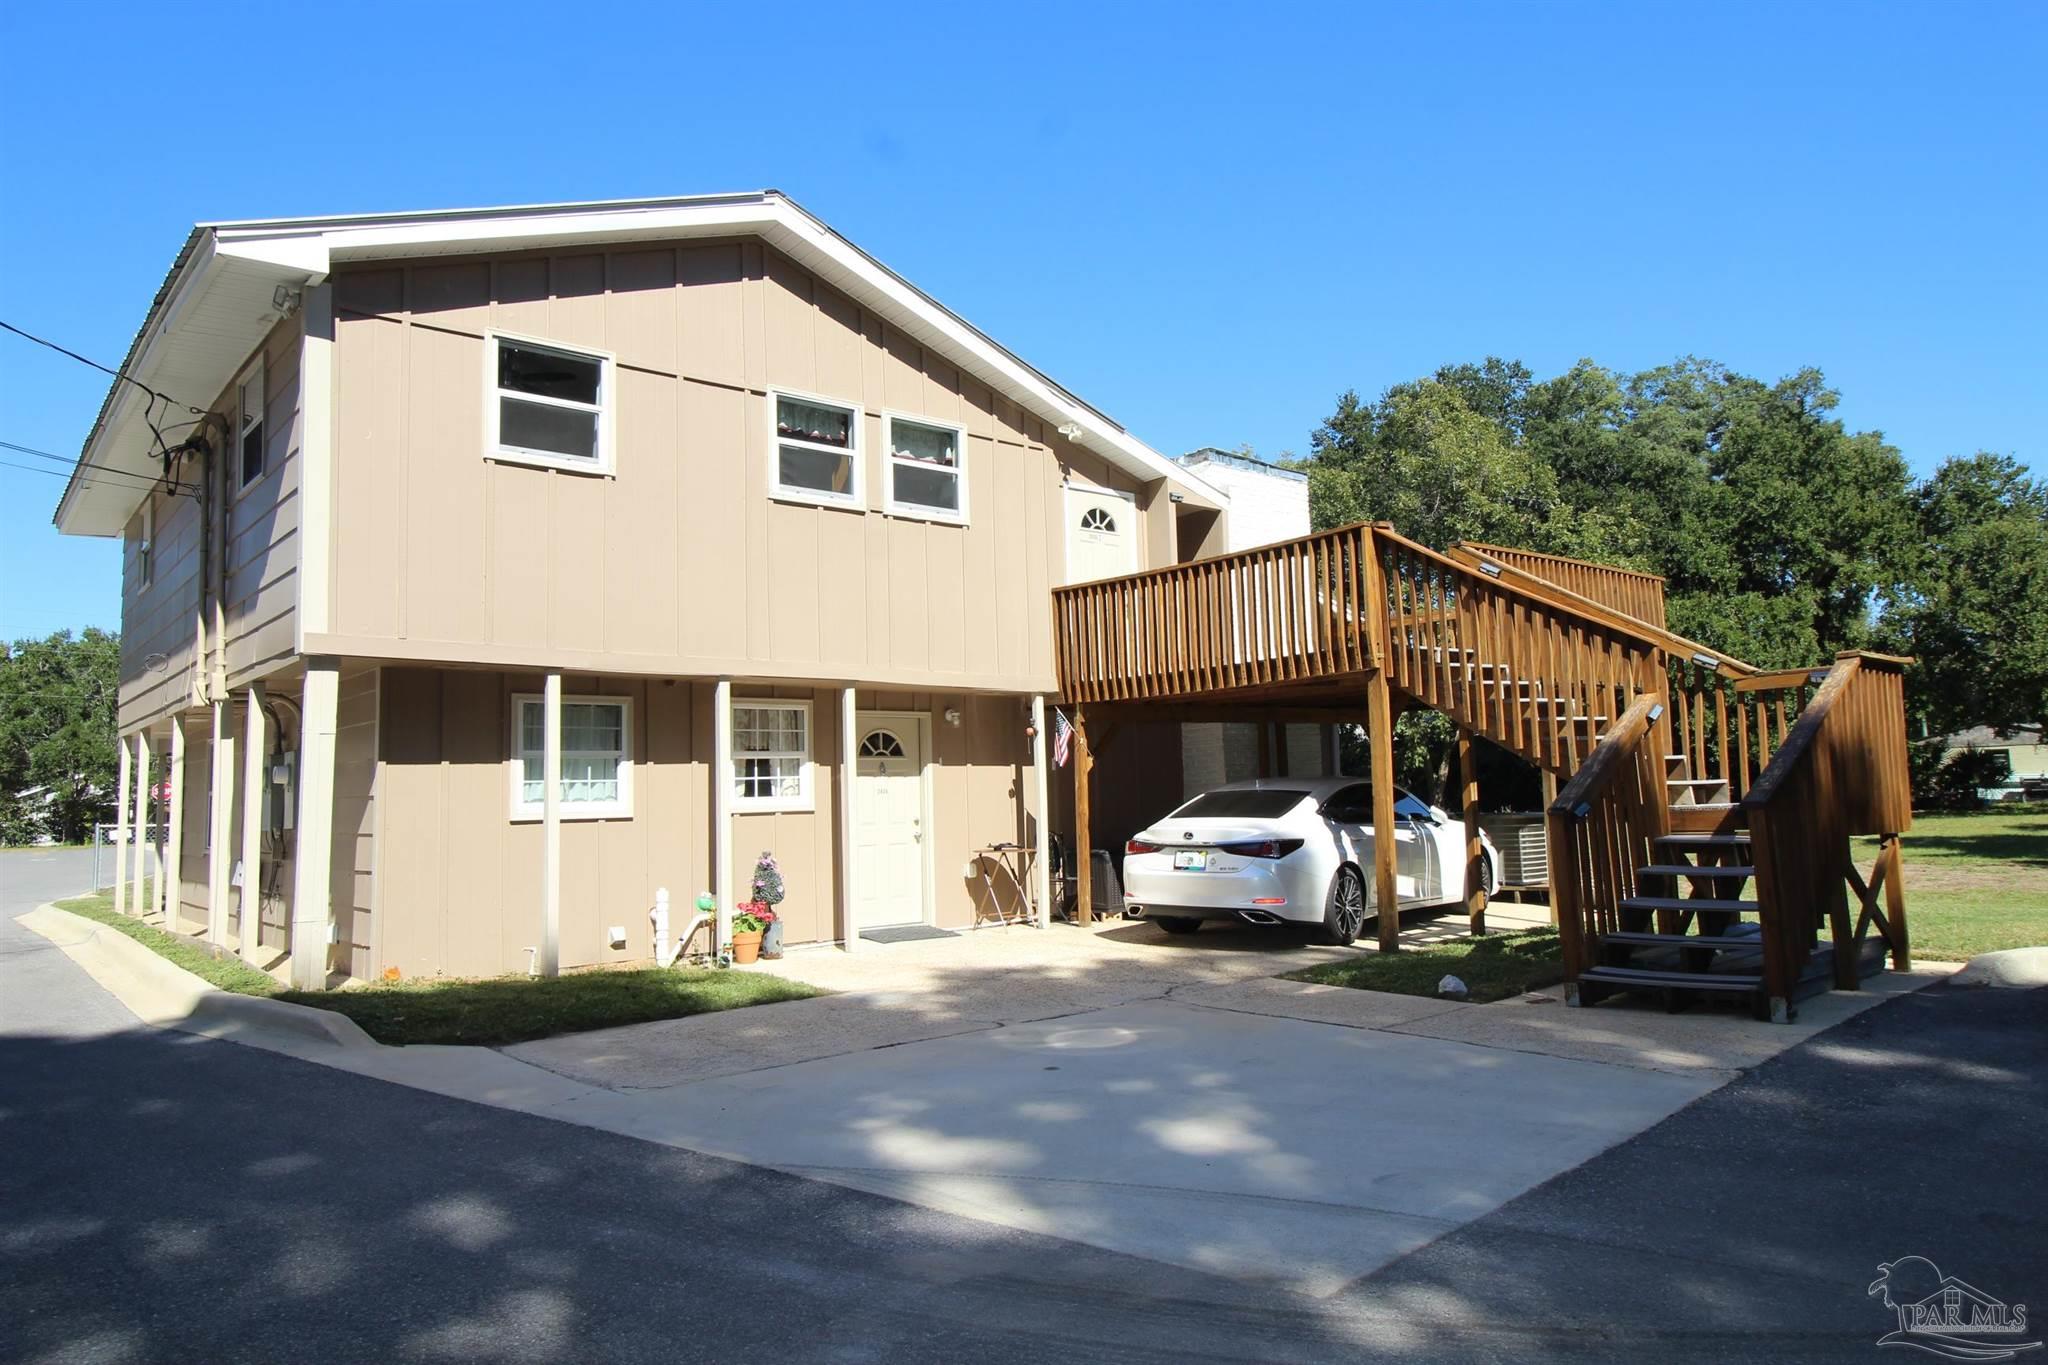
[(1102, 534), (889, 814)]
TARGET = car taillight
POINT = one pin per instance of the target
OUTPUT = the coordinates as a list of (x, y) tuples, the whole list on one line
[(1140, 846), (1262, 848)]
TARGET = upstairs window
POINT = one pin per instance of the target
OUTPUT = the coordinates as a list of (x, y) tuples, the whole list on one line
[(597, 765), (817, 449), (249, 424), (771, 755), (549, 405), (927, 476)]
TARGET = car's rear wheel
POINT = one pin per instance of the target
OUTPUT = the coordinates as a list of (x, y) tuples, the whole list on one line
[(1344, 916), (1177, 924)]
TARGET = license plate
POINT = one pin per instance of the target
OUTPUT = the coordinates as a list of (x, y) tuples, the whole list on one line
[(1192, 860)]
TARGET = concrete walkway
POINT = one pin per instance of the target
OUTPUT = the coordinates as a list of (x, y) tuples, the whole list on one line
[(1166, 1098)]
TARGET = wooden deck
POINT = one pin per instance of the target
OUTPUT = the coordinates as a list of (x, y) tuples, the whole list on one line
[(1570, 666)]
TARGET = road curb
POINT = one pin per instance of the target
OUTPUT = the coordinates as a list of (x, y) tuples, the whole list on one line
[(166, 995)]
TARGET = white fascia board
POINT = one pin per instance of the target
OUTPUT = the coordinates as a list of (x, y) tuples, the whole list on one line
[(120, 440)]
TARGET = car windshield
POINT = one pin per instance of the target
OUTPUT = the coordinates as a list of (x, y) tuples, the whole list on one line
[(1242, 803)]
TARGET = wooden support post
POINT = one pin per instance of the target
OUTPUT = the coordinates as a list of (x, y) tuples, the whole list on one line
[(144, 778), (1475, 852), (174, 851), (313, 851), (122, 833), (548, 961), (1549, 800), (1379, 730), (255, 803), (1041, 841), (849, 771), (1895, 905), (1084, 857)]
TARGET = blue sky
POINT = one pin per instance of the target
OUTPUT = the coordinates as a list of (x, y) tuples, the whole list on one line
[(1208, 222)]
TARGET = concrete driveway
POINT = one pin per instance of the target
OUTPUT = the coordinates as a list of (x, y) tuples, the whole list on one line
[(1137, 1094)]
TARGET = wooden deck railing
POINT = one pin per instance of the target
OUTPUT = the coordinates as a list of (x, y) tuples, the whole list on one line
[(1840, 772), (1531, 673), (1632, 591), (1602, 827), (1290, 613)]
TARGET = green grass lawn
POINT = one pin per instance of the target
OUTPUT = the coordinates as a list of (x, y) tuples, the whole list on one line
[(1492, 968), (487, 1012), (1974, 882)]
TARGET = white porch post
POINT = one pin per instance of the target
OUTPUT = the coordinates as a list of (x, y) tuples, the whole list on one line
[(721, 811), (1041, 866), (220, 842), (121, 831), (849, 740), (312, 892), (174, 844), (254, 790), (548, 962), (142, 830)]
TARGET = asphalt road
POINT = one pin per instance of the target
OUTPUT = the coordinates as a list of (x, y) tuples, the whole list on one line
[(167, 1198)]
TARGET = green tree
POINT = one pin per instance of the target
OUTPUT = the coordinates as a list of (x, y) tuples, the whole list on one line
[(1424, 460), (57, 730), (1976, 615)]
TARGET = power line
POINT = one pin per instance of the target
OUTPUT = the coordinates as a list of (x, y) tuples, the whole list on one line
[(147, 480), (103, 369), (59, 474)]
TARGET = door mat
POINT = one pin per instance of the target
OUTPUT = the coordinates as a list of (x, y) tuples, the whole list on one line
[(907, 933)]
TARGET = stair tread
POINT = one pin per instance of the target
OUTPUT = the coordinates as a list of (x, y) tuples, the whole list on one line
[(1696, 870), (1685, 839), (1707, 903), (1695, 781), (1702, 981), (1726, 943)]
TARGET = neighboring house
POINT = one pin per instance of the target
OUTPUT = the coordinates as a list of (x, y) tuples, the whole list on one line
[(1268, 503), (2026, 757), (691, 498)]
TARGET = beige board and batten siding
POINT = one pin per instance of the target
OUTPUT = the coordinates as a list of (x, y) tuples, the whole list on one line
[(160, 620), (683, 563), (457, 880)]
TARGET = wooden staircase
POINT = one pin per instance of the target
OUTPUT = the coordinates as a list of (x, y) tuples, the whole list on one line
[(1701, 840)]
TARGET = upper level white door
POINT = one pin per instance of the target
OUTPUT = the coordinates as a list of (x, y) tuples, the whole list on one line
[(1102, 534)]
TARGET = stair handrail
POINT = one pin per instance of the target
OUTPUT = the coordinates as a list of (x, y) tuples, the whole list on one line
[(1570, 603), (1574, 886), (1670, 641), (1841, 771)]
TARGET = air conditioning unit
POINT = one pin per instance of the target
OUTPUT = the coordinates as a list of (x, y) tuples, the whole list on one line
[(1524, 845)]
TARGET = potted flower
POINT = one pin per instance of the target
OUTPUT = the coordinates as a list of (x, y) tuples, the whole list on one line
[(768, 894), (747, 928)]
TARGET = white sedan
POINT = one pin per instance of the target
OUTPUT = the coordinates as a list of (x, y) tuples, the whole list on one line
[(1292, 851)]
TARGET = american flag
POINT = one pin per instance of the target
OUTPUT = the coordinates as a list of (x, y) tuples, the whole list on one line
[(1062, 738)]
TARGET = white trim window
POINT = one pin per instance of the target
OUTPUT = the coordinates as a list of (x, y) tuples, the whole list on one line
[(814, 449), (597, 757), (927, 468), (771, 754), (249, 424), (547, 404)]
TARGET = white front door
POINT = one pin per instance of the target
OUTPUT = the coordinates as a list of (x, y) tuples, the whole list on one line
[(888, 821), (1102, 535)]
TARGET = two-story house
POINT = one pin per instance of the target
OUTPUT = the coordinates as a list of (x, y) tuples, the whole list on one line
[(510, 564)]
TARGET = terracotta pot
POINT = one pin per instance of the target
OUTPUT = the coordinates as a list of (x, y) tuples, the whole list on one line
[(746, 947)]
